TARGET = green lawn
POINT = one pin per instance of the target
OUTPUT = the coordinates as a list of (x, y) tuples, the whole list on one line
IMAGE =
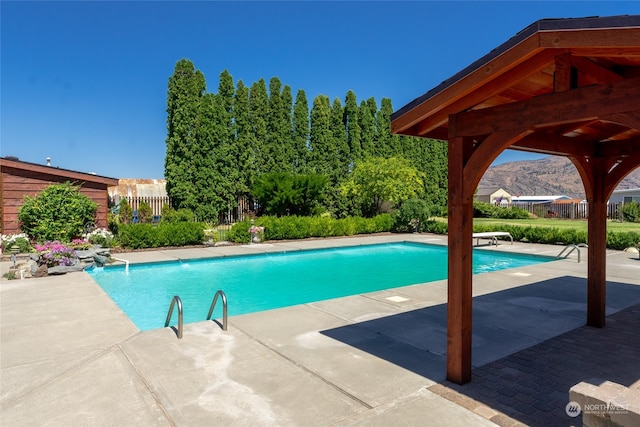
[(558, 223)]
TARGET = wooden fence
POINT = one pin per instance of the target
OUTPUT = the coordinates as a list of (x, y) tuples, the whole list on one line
[(237, 213)]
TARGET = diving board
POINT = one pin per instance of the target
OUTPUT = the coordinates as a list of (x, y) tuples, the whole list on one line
[(493, 235)]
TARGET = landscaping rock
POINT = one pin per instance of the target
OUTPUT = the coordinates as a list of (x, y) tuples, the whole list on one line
[(63, 269), (84, 254), (101, 260), (103, 251), (41, 271)]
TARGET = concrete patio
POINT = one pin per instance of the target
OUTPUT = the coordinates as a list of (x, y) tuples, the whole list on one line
[(70, 356)]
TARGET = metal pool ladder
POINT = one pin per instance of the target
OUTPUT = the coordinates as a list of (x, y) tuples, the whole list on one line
[(221, 294), (570, 248), (174, 300)]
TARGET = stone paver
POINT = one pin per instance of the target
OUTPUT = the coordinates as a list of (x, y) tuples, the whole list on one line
[(531, 386)]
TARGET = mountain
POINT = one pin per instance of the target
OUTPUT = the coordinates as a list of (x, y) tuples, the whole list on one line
[(552, 175)]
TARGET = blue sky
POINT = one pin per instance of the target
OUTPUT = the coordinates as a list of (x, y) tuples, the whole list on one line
[(85, 83)]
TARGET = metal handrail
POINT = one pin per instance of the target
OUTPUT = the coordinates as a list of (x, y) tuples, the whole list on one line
[(174, 300), (224, 308), (571, 247)]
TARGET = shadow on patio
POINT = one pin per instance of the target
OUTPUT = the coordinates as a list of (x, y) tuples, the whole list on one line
[(530, 346)]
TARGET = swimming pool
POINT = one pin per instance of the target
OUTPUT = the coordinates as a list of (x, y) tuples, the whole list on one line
[(267, 281)]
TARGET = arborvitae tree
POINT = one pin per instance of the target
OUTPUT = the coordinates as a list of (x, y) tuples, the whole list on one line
[(300, 132), (287, 129), (340, 161), (259, 107), (186, 87), (321, 136), (224, 148), (278, 129), (209, 162), (352, 127), (366, 119), (429, 156), (243, 149), (387, 145)]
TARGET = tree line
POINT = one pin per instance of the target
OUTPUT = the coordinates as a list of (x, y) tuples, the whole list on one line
[(219, 144)]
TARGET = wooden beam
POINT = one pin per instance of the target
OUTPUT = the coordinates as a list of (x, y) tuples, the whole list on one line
[(584, 103), (459, 289), (630, 119), (624, 40), (562, 80), (619, 149), (595, 70), (556, 145)]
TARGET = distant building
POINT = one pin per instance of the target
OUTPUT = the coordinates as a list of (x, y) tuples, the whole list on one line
[(493, 195), (537, 199), (19, 179), (625, 196), (136, 190)]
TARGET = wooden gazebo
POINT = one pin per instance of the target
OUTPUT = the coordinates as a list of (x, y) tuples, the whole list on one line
[(567, 87)]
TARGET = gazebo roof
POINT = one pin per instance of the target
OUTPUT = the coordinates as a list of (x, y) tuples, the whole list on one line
[(550, 55)]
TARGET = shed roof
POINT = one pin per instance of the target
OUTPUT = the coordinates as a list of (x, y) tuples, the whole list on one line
[(11, 162)]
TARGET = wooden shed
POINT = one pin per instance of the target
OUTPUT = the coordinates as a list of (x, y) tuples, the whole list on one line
[(19, 179), (565, 87)]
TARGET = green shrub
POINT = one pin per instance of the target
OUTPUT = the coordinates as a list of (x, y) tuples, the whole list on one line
[(145, 214), (621, 240), (125, 213), (631, 212), (137, 236), (59, 212), (170, 215), (285, 193), (411, 216), (487, 210), (113, 221), (301, 227)]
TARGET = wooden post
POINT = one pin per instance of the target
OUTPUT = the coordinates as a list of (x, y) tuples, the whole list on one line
[(459, 301), (597, 258), (597, 171)]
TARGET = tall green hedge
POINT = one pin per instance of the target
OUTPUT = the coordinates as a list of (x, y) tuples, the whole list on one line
[(617, 240), (137, 236), (301, 227)]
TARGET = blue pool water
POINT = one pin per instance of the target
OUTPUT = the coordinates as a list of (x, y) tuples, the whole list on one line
[(267, 281)]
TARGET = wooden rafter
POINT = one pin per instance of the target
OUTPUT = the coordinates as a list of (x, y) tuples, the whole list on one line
[(584, 103)]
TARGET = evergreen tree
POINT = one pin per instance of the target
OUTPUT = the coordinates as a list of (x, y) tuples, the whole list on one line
[(287, 129), (321, 136), (243, 149), (388, 145), (352, 127), (340, 157), (367, 121), (300, 132), (211, 162), (274, 145), (186, 88), (258, 108)]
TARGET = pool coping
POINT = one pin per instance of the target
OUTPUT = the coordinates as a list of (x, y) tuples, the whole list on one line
[(349, 361)]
